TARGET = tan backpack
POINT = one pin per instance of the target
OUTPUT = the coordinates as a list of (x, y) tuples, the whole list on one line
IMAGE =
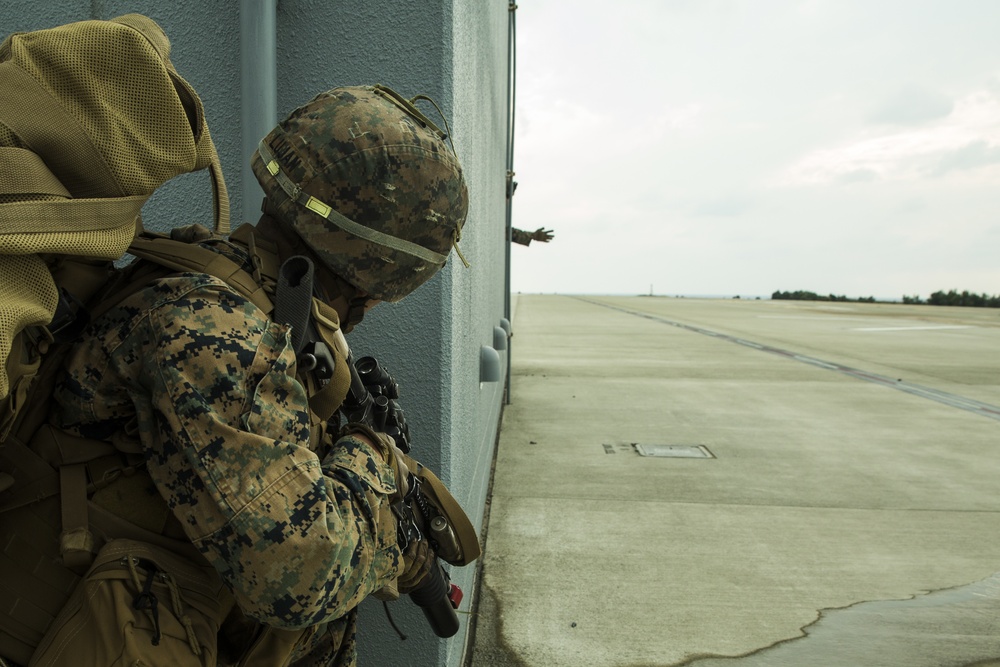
[(93, 119)]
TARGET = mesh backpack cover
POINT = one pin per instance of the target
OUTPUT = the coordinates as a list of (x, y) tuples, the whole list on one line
[(93, 118)]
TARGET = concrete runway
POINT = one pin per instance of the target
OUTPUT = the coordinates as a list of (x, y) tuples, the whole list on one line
[(822, 486)]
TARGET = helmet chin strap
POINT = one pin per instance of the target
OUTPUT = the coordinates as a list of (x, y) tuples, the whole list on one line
[(346, 299)]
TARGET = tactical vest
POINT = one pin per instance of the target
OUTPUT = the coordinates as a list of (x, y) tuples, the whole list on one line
[(66, 499)]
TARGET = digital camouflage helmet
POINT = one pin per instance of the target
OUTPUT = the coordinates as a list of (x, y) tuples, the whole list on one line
[(369, 184)]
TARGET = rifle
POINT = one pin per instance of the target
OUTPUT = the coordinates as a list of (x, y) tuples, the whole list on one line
[(371, 400)]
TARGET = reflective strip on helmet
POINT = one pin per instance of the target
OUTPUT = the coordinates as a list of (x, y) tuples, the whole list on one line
[(327, 212)]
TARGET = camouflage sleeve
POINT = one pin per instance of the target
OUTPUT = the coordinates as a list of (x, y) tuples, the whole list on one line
[(299, 541), (520, 236)]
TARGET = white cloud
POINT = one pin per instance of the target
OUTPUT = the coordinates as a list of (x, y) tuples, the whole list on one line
[(966, 139), (913, 104)]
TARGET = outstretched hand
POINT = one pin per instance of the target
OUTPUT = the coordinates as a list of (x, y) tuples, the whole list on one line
[(542, 234)]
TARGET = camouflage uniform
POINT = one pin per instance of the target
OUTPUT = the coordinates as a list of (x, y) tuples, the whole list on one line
[(520, 236), (525, 238), (208, 383)]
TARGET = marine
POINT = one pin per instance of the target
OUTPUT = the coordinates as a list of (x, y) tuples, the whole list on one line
[(229, 467)]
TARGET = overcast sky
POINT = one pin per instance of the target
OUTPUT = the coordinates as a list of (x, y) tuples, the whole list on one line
[(723, 147)]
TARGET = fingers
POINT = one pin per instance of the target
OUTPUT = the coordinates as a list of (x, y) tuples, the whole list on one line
[(417, 561), (542, 234)]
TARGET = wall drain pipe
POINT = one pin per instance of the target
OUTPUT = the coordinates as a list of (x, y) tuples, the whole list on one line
[(258, 91), (510, 185)]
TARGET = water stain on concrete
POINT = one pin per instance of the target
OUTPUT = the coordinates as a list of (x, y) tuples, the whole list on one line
[(489, 648), (955, 627)]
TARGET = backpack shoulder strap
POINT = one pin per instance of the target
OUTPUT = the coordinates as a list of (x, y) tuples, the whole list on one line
[(189, 257)]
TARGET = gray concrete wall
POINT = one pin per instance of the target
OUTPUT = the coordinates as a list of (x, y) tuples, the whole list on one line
[(453, 50)]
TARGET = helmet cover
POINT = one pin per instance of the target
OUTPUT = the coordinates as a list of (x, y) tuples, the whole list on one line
[(369, 184)]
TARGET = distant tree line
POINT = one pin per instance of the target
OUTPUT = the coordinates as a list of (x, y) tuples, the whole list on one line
[(939, 298), (956, 298), (804, 295)]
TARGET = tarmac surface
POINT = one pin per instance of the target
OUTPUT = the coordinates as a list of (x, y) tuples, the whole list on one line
[(715, 482)]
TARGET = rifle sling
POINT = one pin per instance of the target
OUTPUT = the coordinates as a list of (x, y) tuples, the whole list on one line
[(326, 323)]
